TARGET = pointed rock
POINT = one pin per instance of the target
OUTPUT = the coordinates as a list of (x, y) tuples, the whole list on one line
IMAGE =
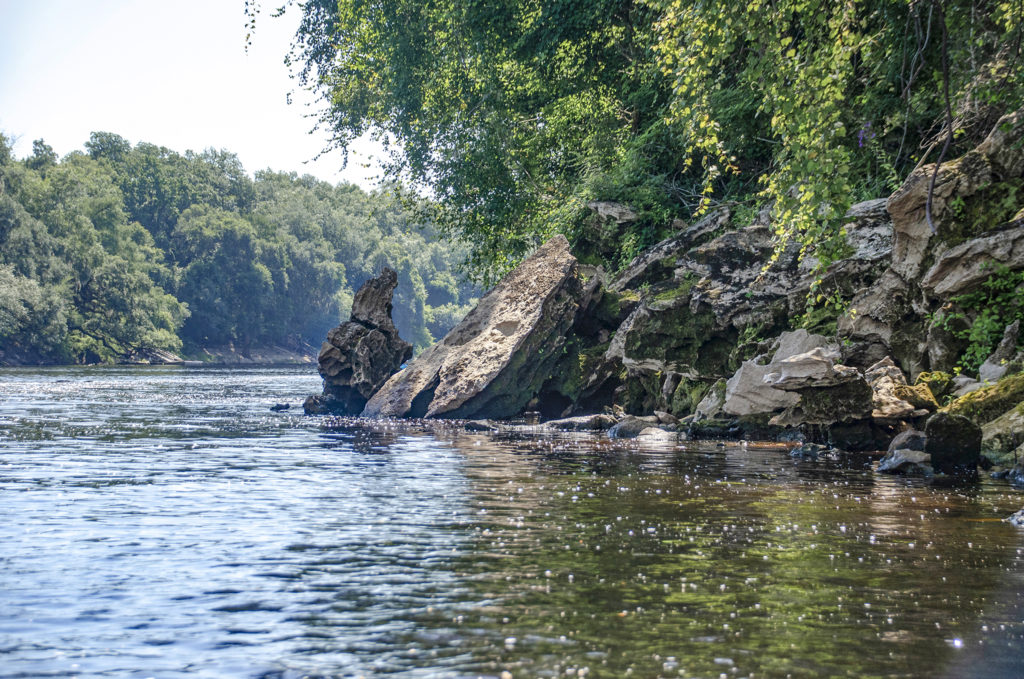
[(493, 362), (361, 353)]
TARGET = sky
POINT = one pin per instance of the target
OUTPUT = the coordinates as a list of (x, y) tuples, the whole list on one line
[(174, 74)]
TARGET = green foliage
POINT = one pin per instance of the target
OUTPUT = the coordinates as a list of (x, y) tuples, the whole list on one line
[(996, 303), (517, 114), (126, 249)]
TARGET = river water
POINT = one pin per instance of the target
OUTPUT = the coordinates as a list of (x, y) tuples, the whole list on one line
[(163, 522)]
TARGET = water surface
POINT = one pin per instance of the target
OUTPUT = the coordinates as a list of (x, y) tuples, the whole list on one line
[(162, 522)]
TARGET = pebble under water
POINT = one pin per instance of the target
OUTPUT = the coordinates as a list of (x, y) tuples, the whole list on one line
[(162, 522)]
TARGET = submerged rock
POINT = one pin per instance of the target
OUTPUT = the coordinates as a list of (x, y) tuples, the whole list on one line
[(599, 422), (494, 361), (910, 439), (632, 426), (362, 353)]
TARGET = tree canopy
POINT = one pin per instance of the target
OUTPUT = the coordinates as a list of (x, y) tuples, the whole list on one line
[(517, 114)]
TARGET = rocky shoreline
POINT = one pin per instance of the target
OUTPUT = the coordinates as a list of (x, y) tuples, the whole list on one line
[(206, 356), (707, 335)]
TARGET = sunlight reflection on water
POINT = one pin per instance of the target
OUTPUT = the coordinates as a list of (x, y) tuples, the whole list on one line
[(163, 522)]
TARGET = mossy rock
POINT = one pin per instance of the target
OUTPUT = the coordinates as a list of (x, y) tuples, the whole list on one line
[(839, 403), (1003, 435), (918, 395), (686, 397), (640, 393), (939, 383), (988, 403), (989, 208)]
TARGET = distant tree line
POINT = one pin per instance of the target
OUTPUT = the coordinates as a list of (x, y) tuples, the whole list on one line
[(121, 249)]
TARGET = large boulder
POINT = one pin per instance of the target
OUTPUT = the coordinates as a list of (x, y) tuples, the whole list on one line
[(493, 362), (954, 443), (1003, 435), (362, 353), (748, 393)]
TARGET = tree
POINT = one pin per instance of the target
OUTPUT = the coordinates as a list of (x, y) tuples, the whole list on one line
[(516, 114)]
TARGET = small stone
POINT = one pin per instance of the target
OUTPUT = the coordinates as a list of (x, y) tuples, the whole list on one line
[(1017, 518), (910, 439), (906, 462), (631, 427)]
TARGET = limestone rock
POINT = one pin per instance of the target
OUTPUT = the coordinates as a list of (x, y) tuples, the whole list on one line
[(1001, 436), (904, 461), (999, 156), (493, 362), (814, 368), (747, 393), (954, 443), (659, 262), (362, 353), (874, 314), (965, 266), (1017, 518), (885, 379), (997, 365)]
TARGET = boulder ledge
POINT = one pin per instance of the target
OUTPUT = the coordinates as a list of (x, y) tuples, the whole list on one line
[(493, 362)]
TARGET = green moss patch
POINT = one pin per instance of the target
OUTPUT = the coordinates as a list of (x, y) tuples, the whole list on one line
[(988, 403)]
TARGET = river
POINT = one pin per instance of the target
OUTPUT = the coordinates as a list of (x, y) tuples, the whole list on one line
[(163, 522)]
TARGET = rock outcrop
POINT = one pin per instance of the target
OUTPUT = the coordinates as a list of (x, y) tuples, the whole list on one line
[(493, 362), (906, 313), (361, 353)]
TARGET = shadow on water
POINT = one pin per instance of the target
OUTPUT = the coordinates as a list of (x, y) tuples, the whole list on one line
[(163, 522)]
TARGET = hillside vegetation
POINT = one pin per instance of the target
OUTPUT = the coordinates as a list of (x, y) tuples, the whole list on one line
[(112, 252)]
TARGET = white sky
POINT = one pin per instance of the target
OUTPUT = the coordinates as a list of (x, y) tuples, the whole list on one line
[(172, 73)]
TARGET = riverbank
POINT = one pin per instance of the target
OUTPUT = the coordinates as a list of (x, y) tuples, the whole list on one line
[(908, 341), (303, 354)]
